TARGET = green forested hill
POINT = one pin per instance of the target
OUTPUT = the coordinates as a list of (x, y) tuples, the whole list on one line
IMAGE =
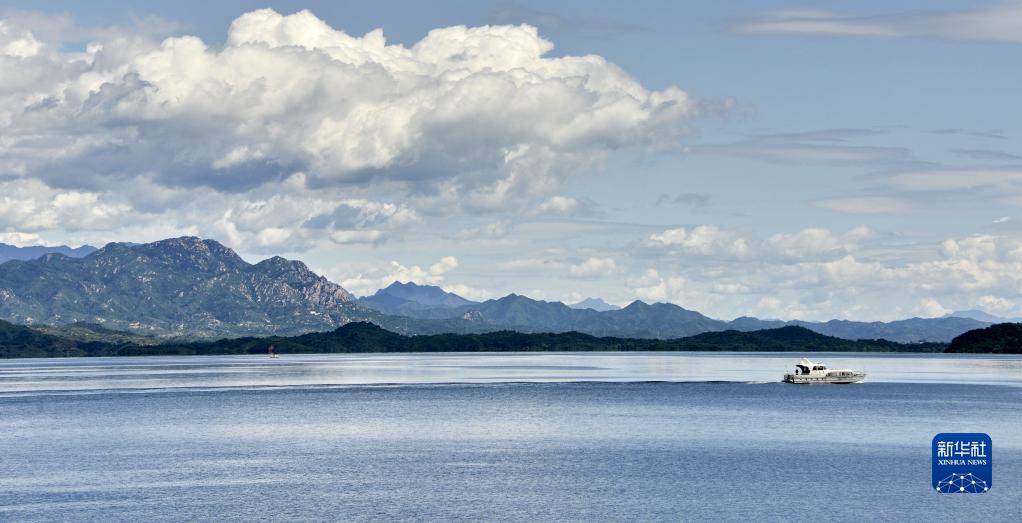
[(21, 341), (1003, 338)]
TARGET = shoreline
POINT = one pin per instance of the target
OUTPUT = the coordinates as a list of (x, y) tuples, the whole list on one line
[(282, 355)]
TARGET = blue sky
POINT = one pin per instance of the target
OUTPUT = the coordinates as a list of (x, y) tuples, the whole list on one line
[(781, 159)]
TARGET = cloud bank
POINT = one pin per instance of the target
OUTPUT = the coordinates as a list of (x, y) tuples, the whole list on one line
[(477, 115), (816, 273)]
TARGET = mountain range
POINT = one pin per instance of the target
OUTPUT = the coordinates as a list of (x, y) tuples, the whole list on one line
[(524, 314), (638, 319), (194, 288), (11, 252)]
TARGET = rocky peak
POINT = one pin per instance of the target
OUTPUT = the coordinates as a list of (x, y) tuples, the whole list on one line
[(283, 264), (292, 271), (184, 253), (298, 276), (176, 286), (193, 246)]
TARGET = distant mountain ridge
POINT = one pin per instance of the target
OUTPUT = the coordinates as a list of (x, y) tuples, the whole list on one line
[(403, 299), (12, 252), (524, 314), (193, 288), (642, 320), (911, 330), (979, 315), (596, 304)]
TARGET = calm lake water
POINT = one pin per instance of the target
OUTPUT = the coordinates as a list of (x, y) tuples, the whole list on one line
[(567, 436)]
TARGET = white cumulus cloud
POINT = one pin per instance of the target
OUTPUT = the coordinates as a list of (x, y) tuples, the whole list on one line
[(594, 267), (812, 241), (21, 239), (706, 240), (559, 205), (482, 115)]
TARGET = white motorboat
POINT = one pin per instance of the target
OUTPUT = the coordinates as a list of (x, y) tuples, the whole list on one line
[(809, 372)]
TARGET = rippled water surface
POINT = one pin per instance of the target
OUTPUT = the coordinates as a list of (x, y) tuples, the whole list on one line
[(77, 374), (570, 436)]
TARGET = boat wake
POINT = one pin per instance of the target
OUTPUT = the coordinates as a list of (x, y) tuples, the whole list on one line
[(349, 386)]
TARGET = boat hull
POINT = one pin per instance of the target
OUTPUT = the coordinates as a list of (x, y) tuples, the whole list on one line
[(858, 377)]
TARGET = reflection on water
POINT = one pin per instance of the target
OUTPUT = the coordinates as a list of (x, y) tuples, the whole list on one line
[(366, 369), (502, 451), (439, 437)]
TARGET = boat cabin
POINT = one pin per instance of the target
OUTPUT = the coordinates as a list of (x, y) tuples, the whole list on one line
[(805, 366)]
